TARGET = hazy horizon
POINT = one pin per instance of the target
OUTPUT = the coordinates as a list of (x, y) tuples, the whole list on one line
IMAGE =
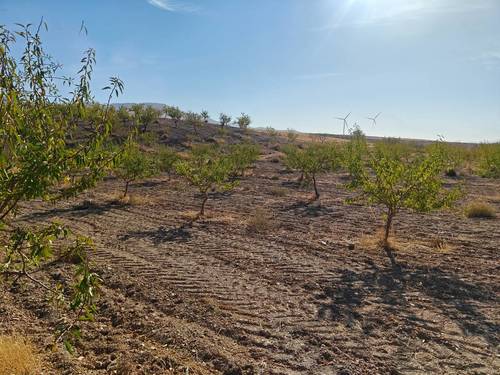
[(432, 67)]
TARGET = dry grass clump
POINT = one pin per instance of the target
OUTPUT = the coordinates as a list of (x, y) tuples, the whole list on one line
[(260, 221), (131, 200), (17, 357), (278, 191), (480, 210)]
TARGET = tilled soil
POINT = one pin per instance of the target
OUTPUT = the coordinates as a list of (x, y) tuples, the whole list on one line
[(309, 293)]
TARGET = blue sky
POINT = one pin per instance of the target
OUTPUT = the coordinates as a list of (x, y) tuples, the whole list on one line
[(430, 66)]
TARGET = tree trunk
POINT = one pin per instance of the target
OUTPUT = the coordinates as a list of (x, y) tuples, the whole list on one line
[(126, 189), (387, 247), (202, 210), (388, 225), (315, 187)]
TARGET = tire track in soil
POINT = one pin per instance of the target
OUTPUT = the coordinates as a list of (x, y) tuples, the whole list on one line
[(267, 286)]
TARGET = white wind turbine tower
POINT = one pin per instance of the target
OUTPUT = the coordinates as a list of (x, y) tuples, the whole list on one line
[(374, 119), (344, 119)]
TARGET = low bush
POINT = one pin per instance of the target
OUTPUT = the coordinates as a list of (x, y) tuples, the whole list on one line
[(260, 221), (480, 210)]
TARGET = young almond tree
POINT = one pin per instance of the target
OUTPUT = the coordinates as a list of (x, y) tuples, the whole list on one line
[(398, 182), (123, 115), (147, 116), (40, 160), (208, 169), (244, 122), (354, 154), (314, 159), (193, 119), (175, 114), (242, 156), (133, 164), (224, 120), (137, 110), (165, 159), (205, 116)]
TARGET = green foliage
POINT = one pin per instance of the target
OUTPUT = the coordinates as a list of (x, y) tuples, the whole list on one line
[(204, 115), (489, 160), (193, 119), (39, 160), (224, 120), (397, 181), (165, 159), (123, 114), (244, 121), (144, 115), (133, 164), (452, 156), (312, 160), (208, 168), (354, 153), (242, 156), (175, 114), (147, 117)]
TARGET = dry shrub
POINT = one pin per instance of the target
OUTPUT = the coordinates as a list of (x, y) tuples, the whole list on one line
[(260, 221), (480, 210), (131, 200), (278, 191), (17, 357), (439, 244)]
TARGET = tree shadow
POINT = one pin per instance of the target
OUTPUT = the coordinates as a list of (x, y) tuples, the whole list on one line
[(161, 235), (146, 184), (311, 208), (455, 298), (82, 209)]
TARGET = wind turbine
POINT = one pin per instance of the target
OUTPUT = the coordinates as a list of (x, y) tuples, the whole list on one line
[(374, 119), (345, 122)]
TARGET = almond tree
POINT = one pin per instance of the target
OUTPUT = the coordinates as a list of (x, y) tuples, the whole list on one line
[(147, 116), (165, 159), (207, 168), (224, 120), (205, 116), (193, 119), (314, 159), (244, 121), (123, 114), (40, 160), (133, 164), (398, 182), (175, 114), (354, 153)]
